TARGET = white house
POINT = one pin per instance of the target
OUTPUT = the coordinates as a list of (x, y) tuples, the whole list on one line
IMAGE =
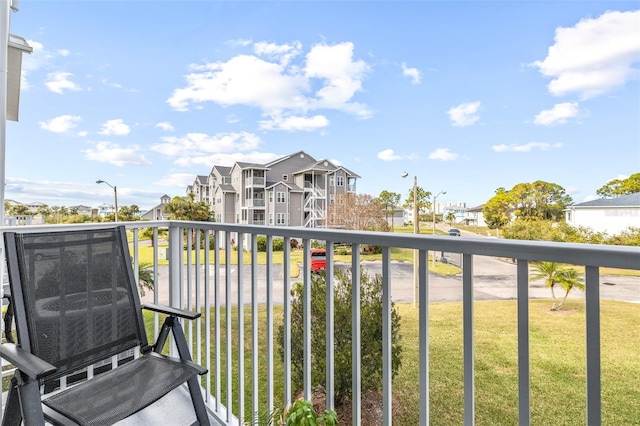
[(610, 215)]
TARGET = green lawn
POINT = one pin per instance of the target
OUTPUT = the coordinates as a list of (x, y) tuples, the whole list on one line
[(557, 342)]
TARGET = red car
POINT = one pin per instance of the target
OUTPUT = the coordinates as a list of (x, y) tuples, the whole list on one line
[(318, 260)]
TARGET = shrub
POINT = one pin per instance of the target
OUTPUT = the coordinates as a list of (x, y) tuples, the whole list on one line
[(371, 333), (278, 243)]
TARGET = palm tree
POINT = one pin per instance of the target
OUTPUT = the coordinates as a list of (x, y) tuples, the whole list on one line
[(555, 274), (451, 216), (145, 277)]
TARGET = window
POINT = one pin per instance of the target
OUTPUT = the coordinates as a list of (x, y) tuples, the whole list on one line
[(280, 197), (285, 177), (237, 217), (237, 198), (270, 218), (219, 200), (218, 217), (332, 198), (271, 196), (280, 218), (340, 180), (332, 180)]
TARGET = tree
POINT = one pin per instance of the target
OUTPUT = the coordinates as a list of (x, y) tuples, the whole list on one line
[(496, 211), (129, 213), (423, 201), (180, 208), (19, 210), (617, 187), (539, 200), (451, 216), (555, 274), (389, 201), (145, 277), (357, 212), (44, 211)]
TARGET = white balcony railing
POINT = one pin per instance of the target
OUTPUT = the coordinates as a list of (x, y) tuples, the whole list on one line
[(255, 202), (210, 284)]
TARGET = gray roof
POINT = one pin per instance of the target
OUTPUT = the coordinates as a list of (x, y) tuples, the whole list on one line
[(631, 200), (226, 188)]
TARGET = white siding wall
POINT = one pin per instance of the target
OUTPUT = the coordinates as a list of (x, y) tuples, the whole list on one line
[(612, 220)]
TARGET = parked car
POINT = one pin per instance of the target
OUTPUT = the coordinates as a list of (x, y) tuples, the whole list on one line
[(454, 232), (318, 260)]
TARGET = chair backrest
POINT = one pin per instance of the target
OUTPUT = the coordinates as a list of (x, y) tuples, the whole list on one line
[(75, 297)]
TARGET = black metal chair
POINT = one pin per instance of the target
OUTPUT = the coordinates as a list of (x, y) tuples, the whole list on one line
[(76, 304)]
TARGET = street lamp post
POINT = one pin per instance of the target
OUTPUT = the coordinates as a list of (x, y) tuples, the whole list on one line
[(115, 196), (416, 230), (433, 210)]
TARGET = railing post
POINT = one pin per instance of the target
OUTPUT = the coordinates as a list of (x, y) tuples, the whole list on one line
[(469, 360), (524, 381), (592, 301), (423, 321)]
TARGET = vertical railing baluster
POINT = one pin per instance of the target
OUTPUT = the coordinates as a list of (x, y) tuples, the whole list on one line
[(207, 313), (423, 321), (227, 315), (356, 337), (255, 348), (330, 328), (592, 301), (306, 317), (386, 337), (198, 322), (156, 284), (216, 303), (188, 267), (524, 382), (175, 272), (286, 280), (240, 326), (469, 350), (269, 284)]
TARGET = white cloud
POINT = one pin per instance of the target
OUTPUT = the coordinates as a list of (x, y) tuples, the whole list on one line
[(557, 115), (82, 133), (166, 126), (57, 82), (115, 127), (231, 119), (227, 159), (196, 148), (543, 146), (464, 114), (293, 123), (107, 152), (388, 155), (283, 53), (277, 87), (176, 179), (443, 154), (60, 124), (239, 42), (412, 73), (595, 56)]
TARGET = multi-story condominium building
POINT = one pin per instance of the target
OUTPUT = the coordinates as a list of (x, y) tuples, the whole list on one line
[(295, 190)]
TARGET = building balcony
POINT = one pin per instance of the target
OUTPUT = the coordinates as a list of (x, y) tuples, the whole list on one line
[(249, 375), (255, 181), (256, 202)]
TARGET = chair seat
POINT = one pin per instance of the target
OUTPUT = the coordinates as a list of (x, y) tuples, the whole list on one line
[(119, 393)]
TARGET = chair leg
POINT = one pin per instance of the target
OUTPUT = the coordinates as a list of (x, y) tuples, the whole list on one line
[(12, 412), (23, 402), (194, 386)]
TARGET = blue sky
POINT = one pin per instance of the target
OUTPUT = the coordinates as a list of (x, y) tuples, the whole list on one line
[(467, 96)]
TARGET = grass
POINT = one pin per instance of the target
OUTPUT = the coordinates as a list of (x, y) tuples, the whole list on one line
[(145, 254), (557, 342)]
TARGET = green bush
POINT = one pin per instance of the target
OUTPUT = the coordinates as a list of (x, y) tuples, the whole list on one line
[(278, 243), (371, 333)]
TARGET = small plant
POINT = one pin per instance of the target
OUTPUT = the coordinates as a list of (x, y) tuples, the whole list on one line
[(300, 413)]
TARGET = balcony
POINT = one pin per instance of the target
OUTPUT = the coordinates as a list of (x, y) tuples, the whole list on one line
[(255, 202), (255, 181), (244, 378)]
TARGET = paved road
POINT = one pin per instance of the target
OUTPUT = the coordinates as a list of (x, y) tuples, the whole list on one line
[(493, 279)]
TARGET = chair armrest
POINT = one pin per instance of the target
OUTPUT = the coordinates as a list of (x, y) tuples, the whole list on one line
[(171, 311), (26, 362)]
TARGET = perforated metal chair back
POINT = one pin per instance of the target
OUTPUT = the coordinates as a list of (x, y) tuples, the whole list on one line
[(78, 294)]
